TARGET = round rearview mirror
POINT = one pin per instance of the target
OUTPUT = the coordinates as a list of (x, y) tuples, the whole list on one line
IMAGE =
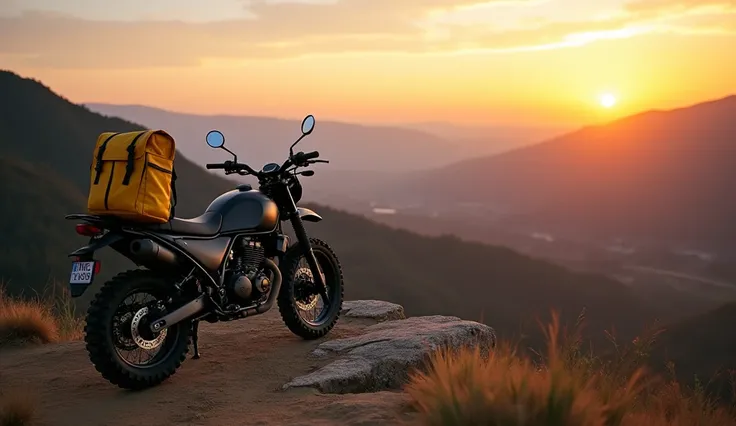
[(215, 139), (308, 125)]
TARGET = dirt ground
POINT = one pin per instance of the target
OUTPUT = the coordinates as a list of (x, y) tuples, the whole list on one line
[(237, 381)]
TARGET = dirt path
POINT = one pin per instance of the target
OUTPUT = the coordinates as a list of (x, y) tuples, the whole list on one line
[(236, 382)]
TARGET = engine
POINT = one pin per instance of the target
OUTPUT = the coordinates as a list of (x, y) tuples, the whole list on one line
[(245, 280)]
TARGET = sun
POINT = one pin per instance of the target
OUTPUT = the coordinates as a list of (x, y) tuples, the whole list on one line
[(608, 100)]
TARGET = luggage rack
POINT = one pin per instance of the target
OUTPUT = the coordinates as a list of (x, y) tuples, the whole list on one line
[(108, 222), (94, 218)]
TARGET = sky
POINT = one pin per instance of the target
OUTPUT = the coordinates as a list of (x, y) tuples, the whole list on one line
[(520, 62)]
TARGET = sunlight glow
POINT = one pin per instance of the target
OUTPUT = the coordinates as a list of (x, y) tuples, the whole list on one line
[(608, 100)]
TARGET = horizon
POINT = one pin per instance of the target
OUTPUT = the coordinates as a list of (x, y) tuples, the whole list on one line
[(401, 124), (539, 63)]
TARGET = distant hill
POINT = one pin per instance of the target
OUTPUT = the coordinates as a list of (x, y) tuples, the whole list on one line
[(350, 147), (668, 175), (50, 153), (700, 346), (505, 137), (35, 236), (32, 250)]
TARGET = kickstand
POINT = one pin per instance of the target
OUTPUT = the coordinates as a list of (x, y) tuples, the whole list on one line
[(195, 339)]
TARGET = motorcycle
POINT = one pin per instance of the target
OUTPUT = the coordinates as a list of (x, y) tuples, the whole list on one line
[(219, 266)]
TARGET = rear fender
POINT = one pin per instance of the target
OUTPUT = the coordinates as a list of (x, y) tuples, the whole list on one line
[(86, 254), (95, 244)]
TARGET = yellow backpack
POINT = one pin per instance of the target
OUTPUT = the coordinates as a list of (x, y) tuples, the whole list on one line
[(132, 176)]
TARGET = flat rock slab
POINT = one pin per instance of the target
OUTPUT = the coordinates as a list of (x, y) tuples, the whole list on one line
[(373, 309), (383, 357)]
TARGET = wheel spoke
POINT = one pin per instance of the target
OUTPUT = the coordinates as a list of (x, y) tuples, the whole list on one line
[(117, 337), (312, 303), (308, 311)]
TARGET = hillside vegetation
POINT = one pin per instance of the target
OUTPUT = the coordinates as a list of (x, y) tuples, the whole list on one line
[(36, 238), (563, 385), (703, 348)]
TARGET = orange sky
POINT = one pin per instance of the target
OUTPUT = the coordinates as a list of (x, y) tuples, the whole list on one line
[(462, 61)]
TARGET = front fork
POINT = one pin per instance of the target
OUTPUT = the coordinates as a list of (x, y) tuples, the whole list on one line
[(306, 246)]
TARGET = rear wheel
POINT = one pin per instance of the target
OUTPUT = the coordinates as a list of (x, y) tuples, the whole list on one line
[(302, 308), (119, 341)]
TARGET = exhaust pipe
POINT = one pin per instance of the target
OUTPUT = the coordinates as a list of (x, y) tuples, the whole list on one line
[(197, 306), (191, 309), (147, 249)]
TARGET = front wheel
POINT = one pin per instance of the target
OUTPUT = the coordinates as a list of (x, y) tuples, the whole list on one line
[(119, 341), (302, 308)]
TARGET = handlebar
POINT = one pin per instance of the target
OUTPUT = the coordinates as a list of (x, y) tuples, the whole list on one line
[(232, 167), (311, 155), (299, 159)]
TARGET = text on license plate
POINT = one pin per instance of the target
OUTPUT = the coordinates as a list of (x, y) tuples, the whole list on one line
[(82, 272)]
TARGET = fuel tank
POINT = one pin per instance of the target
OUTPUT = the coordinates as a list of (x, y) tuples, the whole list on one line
[(245, 210)]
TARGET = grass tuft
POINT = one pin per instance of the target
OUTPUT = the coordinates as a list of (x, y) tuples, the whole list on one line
[(46, 318), (562, 386), (17, 409)]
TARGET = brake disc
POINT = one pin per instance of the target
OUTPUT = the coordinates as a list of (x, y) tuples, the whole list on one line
[(138, 320), (304, 277)]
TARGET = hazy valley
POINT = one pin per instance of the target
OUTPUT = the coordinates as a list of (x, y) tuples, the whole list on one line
[(641, 216)]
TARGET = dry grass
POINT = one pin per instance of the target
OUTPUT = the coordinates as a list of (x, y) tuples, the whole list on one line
[(17, 409), (45, 318), (564, 386)]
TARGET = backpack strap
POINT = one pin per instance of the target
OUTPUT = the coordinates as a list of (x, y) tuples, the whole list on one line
[(173, 193), (131, 158), (98, 164)]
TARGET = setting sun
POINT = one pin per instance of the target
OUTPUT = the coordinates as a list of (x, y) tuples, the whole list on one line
[(608, 100)]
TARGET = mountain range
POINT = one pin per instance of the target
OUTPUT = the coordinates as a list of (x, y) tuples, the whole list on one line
[(465, 278), (653, 188), (655, 178), (46, 154), (666, 176), (349, 147)]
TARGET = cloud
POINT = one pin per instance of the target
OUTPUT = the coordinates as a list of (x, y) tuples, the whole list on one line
[(686, 17), (292, 28), (669, 6)]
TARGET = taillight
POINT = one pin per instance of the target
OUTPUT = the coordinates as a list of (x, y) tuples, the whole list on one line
[(88, 230)]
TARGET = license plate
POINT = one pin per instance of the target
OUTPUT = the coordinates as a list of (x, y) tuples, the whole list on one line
[(82, 272)]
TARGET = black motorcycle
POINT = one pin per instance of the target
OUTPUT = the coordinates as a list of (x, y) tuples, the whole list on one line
[(220, 266)]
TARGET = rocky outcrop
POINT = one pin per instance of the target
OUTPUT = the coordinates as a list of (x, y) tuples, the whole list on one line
[(374, 309), (383, 356)]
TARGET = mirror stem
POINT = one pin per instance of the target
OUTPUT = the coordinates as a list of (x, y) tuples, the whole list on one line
[(235, 157), (291, 148)]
